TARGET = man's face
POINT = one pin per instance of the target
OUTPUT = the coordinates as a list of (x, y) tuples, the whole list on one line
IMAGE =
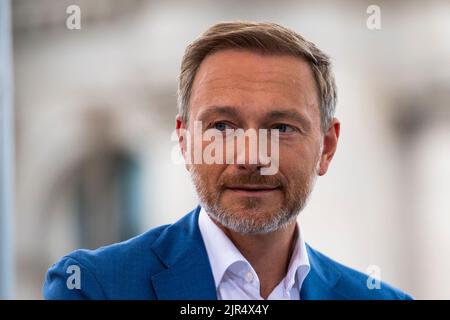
[(241, 89)]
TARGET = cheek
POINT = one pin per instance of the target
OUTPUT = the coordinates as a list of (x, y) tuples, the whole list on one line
[(210, 173), (297, 162)]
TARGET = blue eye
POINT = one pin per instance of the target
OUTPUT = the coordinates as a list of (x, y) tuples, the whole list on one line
[(284, 128), (221, 126)]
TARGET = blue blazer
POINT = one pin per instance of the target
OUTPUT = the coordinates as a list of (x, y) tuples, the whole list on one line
[(170, 262)]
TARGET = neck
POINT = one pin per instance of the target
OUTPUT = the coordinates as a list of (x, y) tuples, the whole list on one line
[(269, 253)]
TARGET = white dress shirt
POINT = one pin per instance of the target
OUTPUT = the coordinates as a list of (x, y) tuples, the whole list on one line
[(234, 277)]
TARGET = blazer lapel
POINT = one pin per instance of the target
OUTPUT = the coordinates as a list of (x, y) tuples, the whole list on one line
[(188, 273), (321, 280)]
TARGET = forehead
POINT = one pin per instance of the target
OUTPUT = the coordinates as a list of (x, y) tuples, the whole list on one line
[(253, 81)]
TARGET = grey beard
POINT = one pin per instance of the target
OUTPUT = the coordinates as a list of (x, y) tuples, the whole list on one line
[(249, 225)]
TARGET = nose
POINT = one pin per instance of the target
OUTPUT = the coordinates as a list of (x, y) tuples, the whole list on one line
[(249, 155), (250, 167)]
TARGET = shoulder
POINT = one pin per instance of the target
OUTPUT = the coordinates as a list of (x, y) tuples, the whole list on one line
[(355, 285), (118, 271)]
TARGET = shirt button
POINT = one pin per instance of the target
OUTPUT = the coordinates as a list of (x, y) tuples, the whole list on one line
[(249, 277)]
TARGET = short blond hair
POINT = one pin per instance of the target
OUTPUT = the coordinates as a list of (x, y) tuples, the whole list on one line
[(265, 38)]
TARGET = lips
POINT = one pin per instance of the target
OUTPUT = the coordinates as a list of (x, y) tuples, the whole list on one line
[(252, 189)]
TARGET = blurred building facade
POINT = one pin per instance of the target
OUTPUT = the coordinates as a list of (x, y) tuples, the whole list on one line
[(95, 110)]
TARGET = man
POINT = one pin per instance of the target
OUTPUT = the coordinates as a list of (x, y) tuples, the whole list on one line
[(243, 241)]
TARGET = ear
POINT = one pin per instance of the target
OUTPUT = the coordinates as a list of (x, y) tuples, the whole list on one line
[(330, 140), (183, 136)]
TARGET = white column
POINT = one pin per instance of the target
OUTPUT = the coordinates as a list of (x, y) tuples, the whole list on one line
[(6, 153)]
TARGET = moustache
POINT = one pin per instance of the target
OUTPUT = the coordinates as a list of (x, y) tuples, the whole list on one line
[(273, 181)]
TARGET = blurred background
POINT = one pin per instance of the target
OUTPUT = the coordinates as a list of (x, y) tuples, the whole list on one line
[(94, 109)]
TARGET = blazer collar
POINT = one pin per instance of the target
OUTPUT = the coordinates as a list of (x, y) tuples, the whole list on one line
[(322, 279), (188, 274)]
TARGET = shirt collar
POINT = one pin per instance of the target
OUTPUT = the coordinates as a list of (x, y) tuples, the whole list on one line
[(223, 254), (221, 251), (299, 265)]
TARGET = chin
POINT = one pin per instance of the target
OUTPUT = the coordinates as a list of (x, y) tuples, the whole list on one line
[(260, 215)]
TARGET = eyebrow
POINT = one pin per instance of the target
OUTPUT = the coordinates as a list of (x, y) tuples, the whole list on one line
[(290, 114), (218, 110)]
